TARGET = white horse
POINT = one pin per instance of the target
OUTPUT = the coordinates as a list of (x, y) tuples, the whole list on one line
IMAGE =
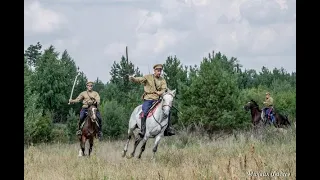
[(155, 124)]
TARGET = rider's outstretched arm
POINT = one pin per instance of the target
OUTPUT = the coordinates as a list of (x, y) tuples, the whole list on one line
[(79, 98), (141, 80)]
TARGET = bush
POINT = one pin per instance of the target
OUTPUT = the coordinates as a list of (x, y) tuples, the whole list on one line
[(114, 119), (211, 99), (60, 133), (72, 125), (37, 128)]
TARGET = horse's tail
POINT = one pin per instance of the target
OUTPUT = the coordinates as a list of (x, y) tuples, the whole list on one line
[(287, 119)]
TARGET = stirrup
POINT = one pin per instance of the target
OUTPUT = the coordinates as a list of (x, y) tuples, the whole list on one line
[(79, 132), (171, 132), (141, 134)]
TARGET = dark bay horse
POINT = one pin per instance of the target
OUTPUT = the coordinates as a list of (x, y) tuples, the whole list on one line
[(255, 112), (257, 115), (89, 130)]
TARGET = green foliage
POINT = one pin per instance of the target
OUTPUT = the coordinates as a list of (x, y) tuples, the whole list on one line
[(211, 99), (115, 119), (32, 54), (285, 103), (72, 125), (59, 133), (37, 128), (256, 94), (120, 85), (174, 73)]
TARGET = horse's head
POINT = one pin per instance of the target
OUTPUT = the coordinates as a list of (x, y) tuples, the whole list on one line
[(167, 99), (92, 110), (250, 105)]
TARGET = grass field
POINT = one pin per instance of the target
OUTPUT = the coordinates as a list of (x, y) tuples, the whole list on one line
[(242, 155)]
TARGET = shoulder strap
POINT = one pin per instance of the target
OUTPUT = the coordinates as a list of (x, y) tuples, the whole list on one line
[(92, 98), (154, 82)]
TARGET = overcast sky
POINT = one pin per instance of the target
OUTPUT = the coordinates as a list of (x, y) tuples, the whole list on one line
[(96, 32)]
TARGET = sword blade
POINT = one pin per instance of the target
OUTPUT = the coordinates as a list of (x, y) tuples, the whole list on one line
[(74, 83)]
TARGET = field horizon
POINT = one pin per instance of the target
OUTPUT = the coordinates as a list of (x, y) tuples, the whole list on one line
[(270, 154)]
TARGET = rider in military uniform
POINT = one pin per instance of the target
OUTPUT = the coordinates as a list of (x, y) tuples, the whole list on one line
[(154, 87), (268, 106), (88, 97)]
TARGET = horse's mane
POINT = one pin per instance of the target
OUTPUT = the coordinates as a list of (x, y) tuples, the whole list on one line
[(256, 104)]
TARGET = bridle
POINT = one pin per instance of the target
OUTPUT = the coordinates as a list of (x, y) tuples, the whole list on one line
[(163, 105), (167, 104), (90, 114)]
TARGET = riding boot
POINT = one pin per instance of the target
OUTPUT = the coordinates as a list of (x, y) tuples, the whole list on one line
[(169, 131), (100, 129), (143, 126), (79, 130), (272, 118)]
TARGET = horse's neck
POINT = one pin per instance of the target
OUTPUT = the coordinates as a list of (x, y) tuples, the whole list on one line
[(88, 122), (158, 114), (254, 111)]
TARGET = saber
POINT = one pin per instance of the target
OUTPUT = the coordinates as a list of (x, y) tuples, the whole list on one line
[(74, 83), (127, 55), (127, 58), (177, 109)]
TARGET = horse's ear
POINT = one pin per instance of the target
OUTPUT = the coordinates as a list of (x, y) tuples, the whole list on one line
[(174, 92)]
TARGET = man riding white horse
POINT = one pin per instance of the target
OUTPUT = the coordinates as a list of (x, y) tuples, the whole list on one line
[(154, 87)]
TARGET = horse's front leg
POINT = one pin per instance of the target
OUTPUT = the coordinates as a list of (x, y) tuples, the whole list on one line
[(82, 145), (136, 143), (143, 147), (91, 145), (155, 147), (130, 133)]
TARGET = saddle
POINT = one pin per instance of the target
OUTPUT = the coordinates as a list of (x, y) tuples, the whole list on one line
[(151, 110)]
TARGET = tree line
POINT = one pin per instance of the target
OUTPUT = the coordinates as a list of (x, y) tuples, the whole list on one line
[(210, 95)]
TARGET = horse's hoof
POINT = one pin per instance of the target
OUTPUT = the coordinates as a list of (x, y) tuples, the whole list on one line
[(80, 153), (129, 156), (123, 153)]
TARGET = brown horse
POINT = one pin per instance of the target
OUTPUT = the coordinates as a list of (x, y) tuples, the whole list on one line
[(255, 111), (89, 130), (257, 116)]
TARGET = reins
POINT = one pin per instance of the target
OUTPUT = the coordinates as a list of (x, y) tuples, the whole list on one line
[(162, 111)]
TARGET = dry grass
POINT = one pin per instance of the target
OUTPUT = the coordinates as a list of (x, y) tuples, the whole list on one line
[(179, 157)]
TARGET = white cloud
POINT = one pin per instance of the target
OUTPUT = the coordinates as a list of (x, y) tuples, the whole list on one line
[(41, 20), (115, 50), (149, 21), (256, 32), (158, 42), (282, 3)]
